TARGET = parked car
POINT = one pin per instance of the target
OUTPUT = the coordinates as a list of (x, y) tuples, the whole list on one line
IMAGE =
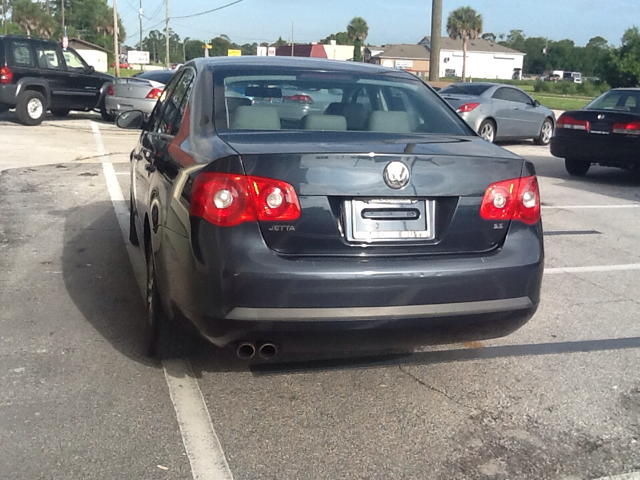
[(501, 112), (140, 92), (606, 132), (122, 65), (37, 75), (387, 218)]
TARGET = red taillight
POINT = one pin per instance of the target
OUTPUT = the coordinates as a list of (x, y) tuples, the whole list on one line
[(298, 98), (517, 199), (570, 123), (154, 93), (110, 90), (6, 75), (631, 128), (227, 200), (467, 107)]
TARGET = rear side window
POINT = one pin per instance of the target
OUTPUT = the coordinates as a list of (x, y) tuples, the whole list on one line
[(176, 104), (21, 53), (48, 58), (296, 99), (622, 100)]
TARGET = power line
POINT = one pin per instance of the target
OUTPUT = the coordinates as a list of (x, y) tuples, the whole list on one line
[(209, 11)]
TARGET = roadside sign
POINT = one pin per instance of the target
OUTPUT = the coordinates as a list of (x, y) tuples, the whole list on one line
[(138, 57), (262, 51), (234, 53), (404, 64), (272, 52)]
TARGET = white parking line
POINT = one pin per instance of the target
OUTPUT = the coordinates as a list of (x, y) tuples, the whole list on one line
[(624, 476), (587, 207), (200, 441)]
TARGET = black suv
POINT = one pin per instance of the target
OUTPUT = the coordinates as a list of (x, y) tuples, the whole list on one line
[(37, 75)]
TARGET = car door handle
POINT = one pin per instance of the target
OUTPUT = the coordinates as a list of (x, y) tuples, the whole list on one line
[(149, 168), (137, 156)]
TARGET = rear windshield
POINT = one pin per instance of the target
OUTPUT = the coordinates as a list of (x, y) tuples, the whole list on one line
[(466, 89), (620, 100), (331, 101), (162, 76)]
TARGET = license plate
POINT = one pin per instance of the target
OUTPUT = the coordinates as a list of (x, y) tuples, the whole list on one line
[(389, 219), (600, 128)]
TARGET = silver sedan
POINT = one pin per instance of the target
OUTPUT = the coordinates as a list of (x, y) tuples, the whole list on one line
[(501, 112), (140, 92)]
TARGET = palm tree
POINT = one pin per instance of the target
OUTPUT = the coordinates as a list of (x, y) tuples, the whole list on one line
[(357, 32), (464, 23)]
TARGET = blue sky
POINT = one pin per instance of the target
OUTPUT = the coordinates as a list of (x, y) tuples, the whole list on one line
[(399, 21)]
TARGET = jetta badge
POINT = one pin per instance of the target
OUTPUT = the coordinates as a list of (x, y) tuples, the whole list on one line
[(396, 175)]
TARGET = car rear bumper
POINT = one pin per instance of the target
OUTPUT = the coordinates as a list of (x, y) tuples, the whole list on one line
[(610, 149), (115, 105), (8, 95), (254, 293)]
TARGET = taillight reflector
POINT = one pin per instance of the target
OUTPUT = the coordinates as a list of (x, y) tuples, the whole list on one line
[(516, 199), (227, 200), (468, 107), (6, 75), (154, 93), (631, 128), (570, 123), (110, 90)]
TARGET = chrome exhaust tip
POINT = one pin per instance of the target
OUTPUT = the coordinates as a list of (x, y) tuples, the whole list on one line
[(246, 350), (267, 351)]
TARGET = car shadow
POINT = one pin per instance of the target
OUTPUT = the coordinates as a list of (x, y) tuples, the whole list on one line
[(11, 117), (99, 278)]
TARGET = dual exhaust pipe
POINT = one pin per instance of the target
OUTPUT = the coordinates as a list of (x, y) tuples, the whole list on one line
[(247, 350)]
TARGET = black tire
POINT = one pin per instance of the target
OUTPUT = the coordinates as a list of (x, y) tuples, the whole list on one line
[(3, 108), (31, 108), (576, 168), (133, 233), (60, 112), (106, 116), (163, 339), (546, 132), (487, 130)]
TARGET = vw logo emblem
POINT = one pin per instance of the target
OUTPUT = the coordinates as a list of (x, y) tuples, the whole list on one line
[(601, 117), (396, 175)]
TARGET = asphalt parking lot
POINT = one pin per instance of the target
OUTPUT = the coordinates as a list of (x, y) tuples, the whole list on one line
[(558, 399)]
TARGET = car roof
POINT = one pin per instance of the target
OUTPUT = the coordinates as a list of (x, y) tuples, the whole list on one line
[(297, 62)]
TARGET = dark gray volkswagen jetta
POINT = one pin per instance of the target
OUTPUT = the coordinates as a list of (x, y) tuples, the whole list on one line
[(381, 220)]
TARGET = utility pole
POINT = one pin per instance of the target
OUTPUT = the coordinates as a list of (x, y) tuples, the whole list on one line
[(166, 32), (4, 16), (434, 48), (63, 15), (292, 39), (116, 50), (140, 46)]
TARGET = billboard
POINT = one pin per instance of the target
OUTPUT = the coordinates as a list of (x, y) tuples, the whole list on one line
[(234, 53), (138, 57), (272, 52), (262, 51)]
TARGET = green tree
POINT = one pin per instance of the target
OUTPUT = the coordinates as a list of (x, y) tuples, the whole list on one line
[(623, 67), (279, 43), (193, 49), (357, 32), (490, 37), (341, 38), (464, 23), (32, 18)]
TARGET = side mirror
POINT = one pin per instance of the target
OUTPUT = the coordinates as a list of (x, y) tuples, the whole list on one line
[(131, 120), (536, 103), (91, 69)]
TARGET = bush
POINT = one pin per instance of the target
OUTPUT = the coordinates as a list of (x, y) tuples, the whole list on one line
[(542, 86), (568, 88)]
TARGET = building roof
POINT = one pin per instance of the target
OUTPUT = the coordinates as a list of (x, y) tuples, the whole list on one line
[(408, 50), (83, 44), (308, 50), (477, 45)]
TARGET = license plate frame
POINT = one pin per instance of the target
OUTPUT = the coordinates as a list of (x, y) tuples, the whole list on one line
[(374, 220)]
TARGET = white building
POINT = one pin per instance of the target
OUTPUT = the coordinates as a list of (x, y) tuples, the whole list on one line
[(484, 59), (94, 55)]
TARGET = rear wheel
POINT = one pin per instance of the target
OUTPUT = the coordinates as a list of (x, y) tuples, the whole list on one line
[(576, 168), (546, 132), (106, 116), (31, 108), (163, 338), (487, 130), (133, 233), (60, 112)]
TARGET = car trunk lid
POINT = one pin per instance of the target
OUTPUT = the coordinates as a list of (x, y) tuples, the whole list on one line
[(347, 208)]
